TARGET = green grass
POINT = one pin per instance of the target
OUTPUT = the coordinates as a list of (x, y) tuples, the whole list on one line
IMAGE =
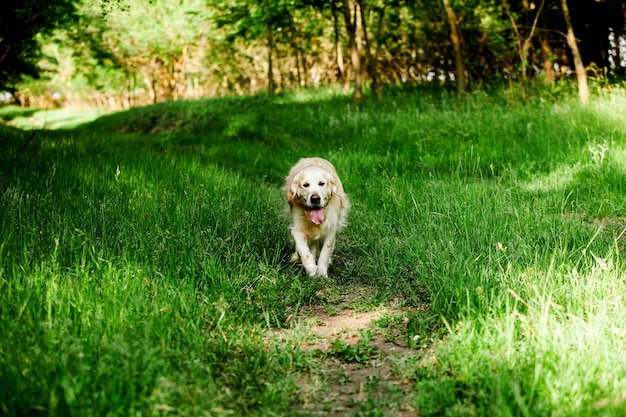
[(29, 118), (144, 256)]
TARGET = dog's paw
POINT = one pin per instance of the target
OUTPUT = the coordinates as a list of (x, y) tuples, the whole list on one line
[(322, 271), (312, 271), (295, 257)]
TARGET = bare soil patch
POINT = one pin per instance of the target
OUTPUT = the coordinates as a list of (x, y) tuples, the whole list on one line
[(376, 381)]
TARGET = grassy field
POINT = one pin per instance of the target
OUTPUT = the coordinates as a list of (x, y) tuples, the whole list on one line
[(145, 260), (29, 118)]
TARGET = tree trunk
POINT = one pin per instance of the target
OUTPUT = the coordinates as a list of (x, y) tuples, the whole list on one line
[(150, 85), (354, 40), (371, 58), (548, 65), (581, 72), (455, 37), (524, 44), (339, 54), (270, 67), (298, 71), (305, 70)]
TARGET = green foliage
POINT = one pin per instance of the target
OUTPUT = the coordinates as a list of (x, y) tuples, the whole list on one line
[(124, 53), (361, 352), (20, 23)]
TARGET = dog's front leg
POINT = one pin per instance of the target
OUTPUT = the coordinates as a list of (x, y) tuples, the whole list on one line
[(302, 248), (325, 255)]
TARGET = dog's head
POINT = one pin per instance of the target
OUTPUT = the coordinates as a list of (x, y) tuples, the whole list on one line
[(313, 186)]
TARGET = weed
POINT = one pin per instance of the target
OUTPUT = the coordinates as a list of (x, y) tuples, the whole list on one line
[(361, 352)]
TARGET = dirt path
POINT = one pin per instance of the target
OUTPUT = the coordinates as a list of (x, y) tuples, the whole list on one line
[(362, 353)]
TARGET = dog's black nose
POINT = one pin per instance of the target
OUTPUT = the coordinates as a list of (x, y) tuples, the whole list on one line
[(315, 199)]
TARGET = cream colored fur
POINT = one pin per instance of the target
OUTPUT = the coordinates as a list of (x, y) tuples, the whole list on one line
[(313, 184)]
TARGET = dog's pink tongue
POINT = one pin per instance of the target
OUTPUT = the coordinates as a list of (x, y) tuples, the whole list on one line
[(317, 216)]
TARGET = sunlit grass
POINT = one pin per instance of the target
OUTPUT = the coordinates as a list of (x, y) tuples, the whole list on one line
[(57, 118), (554, 352)]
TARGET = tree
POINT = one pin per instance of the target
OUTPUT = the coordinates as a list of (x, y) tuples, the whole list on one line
[(351, 16), (524, 41), (258, 19), (337, 45), (144, 51), (377, 10), (20, 23), (162, 55), (581, 72), (455, 37)]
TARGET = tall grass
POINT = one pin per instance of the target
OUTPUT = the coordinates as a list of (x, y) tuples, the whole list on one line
[(144, 256)]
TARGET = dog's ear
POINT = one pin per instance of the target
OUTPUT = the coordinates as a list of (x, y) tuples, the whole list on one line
[(292, 191), (333, 184)]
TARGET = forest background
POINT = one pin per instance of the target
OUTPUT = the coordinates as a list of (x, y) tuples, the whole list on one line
[(122, 53)]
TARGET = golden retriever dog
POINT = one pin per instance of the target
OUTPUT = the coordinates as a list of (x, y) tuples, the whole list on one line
[(319, 209)]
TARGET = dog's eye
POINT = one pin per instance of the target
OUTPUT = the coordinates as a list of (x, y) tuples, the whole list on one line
[(322, 183), (305, 185)]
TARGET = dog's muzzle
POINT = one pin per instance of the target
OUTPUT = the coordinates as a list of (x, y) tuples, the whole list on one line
[(315, 201)]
